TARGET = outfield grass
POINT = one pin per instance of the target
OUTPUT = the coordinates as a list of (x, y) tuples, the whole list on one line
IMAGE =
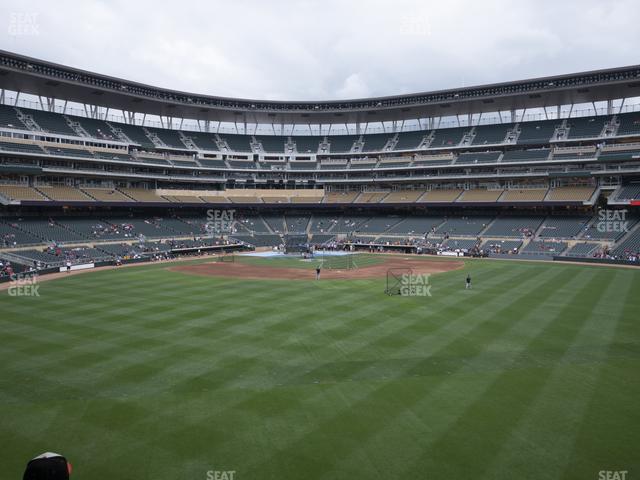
[(141, 373)]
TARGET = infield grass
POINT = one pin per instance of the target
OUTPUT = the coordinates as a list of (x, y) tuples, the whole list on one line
[(143, 373)]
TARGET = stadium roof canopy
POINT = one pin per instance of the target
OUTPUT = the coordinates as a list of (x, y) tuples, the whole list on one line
[(38, 77)]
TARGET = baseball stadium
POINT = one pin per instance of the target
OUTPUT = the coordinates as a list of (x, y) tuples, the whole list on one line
[(434, 285)]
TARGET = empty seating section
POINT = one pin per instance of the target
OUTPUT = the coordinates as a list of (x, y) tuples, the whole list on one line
[(50, 122), (296, 223), (570, 194), (630, 245), (586, 127), (70, 152), (369, 164), (403, 196), (65, 194), (610, 229), (479, 157), (629, 124), (341, 143), (303, 165), (244, 199), (49, 231), (12, 235), (583, 250), (274, 222), (275, 199), (537, 132), (9, 118), (378, 224), (371, 197), (464, 226), (516, 226), (19, 192), (323, 222), (491, 134), (501, 246), (459, 244), (629, 192), (237, 143), (445, 196), (135, 134), (184, 163), (526, 155), (321, 239), (530, 195), (260, 240), (272, 143), (21, 147), (142, 195), (209, 163), (480, 196), (563, 227), (252, 223), (306, 144), (614, 156), (153, 160), (349, 224), (121, 156), (447, 137), (340, 197), (241, 164), (171, 138), (546, 248), (134, 227), (203, 141), (375, 142), (95, 128), (415, 226), (333, 165), (409, 140)]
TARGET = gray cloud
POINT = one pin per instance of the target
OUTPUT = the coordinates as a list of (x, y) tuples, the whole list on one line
[(324, 49)]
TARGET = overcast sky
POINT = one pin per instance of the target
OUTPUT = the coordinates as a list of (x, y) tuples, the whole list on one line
[(325, 49)]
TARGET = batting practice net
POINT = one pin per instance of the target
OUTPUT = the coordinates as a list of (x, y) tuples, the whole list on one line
[(396, 280), (296, 244), (227, 257)]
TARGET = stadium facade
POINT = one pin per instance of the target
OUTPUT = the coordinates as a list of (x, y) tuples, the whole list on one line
[(91, 163)]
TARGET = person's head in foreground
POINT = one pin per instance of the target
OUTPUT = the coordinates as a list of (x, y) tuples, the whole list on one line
[(48, 466)]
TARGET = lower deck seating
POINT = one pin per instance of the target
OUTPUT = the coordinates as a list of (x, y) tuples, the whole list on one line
[(464, 226), (563, 227), (260, 240), (583, 250), (544, 248)]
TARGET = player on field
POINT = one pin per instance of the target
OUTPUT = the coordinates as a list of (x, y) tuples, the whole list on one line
[(467, 284), (318, 272)]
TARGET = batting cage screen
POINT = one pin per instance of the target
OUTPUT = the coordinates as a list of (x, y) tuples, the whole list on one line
[(227, 257), (296, 244), (397, 279)]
